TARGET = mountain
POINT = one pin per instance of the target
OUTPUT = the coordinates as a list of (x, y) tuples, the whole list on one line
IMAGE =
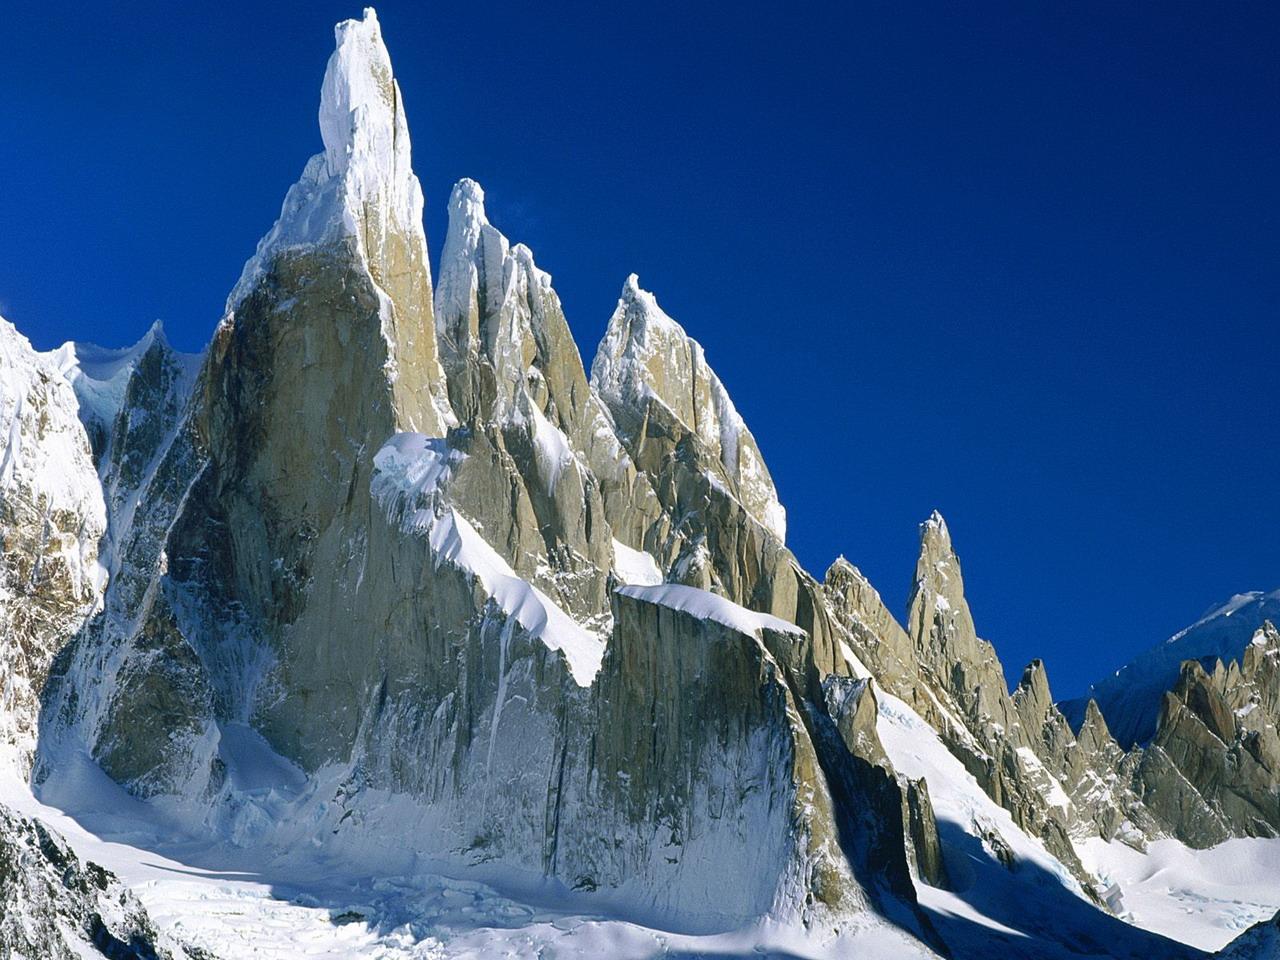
[(383, 627), (57, 907), (1130, 697), (52, 516)]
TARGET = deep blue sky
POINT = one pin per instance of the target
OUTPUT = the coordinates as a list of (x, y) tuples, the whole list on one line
[(1019, 265)]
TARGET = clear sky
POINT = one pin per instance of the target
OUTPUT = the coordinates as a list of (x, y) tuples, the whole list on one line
[(1019, 262)]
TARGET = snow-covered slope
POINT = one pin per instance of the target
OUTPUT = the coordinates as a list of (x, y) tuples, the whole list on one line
[(1130, 697), (995, 871), (1201, 897)]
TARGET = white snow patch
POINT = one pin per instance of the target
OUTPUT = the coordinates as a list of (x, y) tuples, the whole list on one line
[(635, 566), (1202, 897), (709, 606)]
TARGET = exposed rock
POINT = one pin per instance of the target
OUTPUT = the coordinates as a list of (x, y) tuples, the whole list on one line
[(1131, 696), (362, 192), (1212, 769), (873, 635), (53, 906), (395, 562), (537, 437), (907, 811), (51, 518), (415, 619), (655, 379), (965, 667), (724, 778)]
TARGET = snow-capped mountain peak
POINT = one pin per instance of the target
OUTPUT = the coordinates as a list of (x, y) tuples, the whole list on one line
[(362, 186), (647, 356), (1130, 697)]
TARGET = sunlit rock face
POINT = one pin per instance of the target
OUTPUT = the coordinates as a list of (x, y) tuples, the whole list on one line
[(391, 549), (51, 520), (1217, 731), (647, 367), (387, 572)]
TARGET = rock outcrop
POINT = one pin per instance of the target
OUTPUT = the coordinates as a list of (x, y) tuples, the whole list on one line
[(655, 379), (1131, 697), (51, 519), (485, 610), (390, 569), (1212, 770), (53, 906)]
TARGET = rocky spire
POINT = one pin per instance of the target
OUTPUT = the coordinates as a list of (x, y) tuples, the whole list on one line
[(938, 617), (646, 355), (1032, 698), (1094, 727), (496, 310), (361, 192), (939, 623)]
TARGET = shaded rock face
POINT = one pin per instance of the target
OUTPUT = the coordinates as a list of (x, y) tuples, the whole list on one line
[(1259, 942), (51, 519), (296, 401), (722, 780), (53, 906), (904, 805)]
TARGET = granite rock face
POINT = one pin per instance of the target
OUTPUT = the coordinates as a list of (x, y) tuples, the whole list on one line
[(1131, 697), (475, 607), (655, 379), (52, 517), (391, 567), (1212, 770)]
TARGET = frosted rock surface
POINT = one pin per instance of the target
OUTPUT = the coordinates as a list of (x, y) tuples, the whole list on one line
[(51, 518), (645, 355)]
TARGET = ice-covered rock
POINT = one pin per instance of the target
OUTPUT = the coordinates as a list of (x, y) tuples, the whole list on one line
[(361, 200), (54, 906), (646, 358), (51, 519)]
